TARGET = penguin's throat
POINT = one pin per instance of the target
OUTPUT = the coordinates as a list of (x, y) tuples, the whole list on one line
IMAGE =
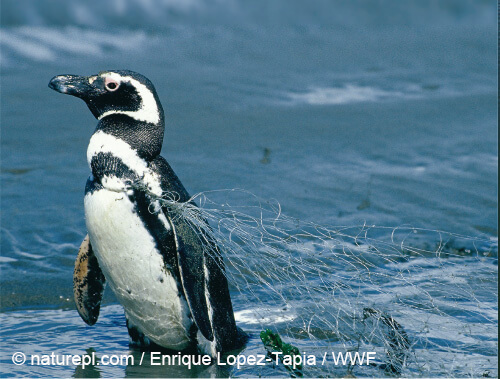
[(114, 162)]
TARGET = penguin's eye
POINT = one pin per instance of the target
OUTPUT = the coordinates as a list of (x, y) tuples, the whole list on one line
[(111, 84)]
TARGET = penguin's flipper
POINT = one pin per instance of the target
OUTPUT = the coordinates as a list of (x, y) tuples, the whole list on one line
[(205, 285), (190, 256), (223, 323), (88, 283)]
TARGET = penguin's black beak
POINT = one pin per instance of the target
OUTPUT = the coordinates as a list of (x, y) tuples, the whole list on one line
[(79, 86)]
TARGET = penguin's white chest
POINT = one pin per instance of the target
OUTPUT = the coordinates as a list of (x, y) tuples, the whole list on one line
[(134, 269)]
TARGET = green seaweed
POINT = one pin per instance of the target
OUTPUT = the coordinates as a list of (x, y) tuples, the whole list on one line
[(273, 343)]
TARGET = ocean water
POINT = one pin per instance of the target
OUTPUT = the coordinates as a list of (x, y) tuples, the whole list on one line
[(348, 113)]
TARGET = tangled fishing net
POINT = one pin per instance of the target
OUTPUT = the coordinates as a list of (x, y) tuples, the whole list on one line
[(424, 300)]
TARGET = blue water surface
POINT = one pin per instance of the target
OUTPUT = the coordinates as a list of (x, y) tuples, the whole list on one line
[(345, 112)]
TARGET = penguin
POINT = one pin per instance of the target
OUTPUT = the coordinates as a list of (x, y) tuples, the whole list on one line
[(168, 275)]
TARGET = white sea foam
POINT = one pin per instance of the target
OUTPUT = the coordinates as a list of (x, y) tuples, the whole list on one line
[(33, 256), (264, 316), (7, 259), (25, 47), (65, 40), (349, 93), (47, 44)]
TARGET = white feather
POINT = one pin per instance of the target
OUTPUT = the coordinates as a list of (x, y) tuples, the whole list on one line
[(101, 142), (135, 270)]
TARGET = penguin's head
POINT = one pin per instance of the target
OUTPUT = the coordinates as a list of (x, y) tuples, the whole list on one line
[(108, 93)]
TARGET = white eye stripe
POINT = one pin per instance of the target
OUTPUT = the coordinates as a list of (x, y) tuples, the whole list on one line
[(148, 112)]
